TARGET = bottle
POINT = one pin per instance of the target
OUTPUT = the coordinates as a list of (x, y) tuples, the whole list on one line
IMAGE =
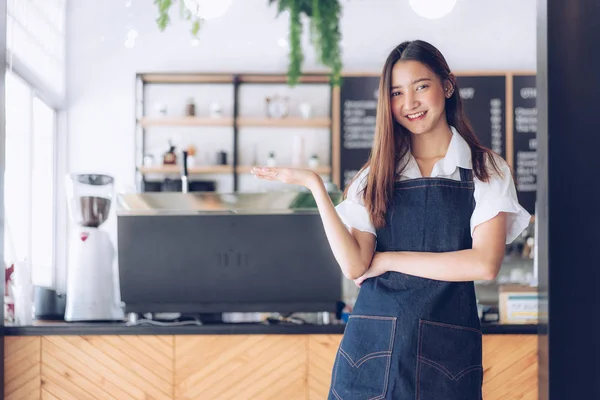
[(221, 158), (191, 156), (271, 162), (285, 107), (215, 110), (305, 110), (23, 293), (268, 107), (148, 160), (313, 161), (170, 158), (190, 108)]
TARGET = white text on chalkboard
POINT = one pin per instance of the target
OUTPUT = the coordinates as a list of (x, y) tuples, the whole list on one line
[(526, 120), (467, 93), (496, 125), (528, 93)]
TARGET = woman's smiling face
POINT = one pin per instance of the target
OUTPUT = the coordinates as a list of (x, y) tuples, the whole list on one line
[(417, 97)]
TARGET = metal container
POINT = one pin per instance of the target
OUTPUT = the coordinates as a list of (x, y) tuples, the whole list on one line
[(89, 197)]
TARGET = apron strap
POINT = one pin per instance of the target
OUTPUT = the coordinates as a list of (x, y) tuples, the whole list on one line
[(466, 175)]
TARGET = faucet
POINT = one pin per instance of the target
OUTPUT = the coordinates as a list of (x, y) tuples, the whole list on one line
[(184, 173)]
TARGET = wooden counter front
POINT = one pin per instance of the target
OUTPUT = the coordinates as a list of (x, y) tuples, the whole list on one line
[(217, 367)]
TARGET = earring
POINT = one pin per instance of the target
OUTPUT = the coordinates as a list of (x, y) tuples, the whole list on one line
[(449, 92)]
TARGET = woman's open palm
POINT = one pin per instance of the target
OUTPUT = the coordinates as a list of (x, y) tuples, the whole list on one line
[(295, 176)]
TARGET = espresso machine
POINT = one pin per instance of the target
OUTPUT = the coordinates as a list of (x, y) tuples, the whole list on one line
[(92, 279)]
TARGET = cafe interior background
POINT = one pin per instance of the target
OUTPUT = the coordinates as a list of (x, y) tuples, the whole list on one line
[(113, 88)]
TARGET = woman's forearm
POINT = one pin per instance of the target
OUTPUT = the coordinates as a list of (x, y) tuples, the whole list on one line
[(346, 250), (463, 265)]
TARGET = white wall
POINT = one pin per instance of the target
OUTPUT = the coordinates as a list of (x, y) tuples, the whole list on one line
[(477, 35)]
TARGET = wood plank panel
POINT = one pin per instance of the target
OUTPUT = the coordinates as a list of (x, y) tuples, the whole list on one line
[(107, 367), (22, 367), (234, 366), (218, 367), (321, 355), (510, 367)]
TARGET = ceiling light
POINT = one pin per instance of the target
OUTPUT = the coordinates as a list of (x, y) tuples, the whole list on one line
[(208, 9), (432, 9), (282, 42)]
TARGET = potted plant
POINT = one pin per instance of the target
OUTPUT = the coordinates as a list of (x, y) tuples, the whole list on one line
[(164, 19), (324, 16)]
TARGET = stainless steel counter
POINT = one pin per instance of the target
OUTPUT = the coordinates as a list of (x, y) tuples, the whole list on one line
[(169, 203)]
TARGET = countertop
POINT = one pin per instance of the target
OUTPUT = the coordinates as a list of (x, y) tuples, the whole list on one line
[(119, 328)]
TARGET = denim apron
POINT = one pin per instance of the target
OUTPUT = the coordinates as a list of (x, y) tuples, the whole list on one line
[(412, 338)]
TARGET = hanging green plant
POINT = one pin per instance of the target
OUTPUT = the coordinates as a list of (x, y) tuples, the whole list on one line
[(324, 16), (164, 19)]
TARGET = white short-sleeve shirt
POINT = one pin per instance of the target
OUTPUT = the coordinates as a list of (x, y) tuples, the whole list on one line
[(491, 198)]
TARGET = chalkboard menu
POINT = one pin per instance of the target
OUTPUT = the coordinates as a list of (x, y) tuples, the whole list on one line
[(358, 102), (484, 100), (525, 139)]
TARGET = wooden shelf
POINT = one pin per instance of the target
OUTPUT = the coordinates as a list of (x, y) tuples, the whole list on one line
[(322, 170), (186, 121), (289, 122), (266, 78), (176, 169), (187, 78), (308, 77)]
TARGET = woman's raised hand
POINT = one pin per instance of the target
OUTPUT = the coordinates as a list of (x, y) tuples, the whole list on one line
[(295, 176)]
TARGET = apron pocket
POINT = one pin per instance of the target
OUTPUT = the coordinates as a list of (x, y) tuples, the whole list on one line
[(362, 365), (449, 362)]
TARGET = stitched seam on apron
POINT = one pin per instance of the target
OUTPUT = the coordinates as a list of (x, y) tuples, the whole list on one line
[(466, 371), (361, 361), (470, 186), (373, 317), (390, 348), (466, 328), (446, 372), (335, 377), (418, 366), (428, 178)]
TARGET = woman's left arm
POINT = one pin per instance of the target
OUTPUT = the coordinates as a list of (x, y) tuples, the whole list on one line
[(481, 262)]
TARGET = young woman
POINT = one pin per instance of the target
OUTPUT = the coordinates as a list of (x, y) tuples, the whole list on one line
[(429, 213)]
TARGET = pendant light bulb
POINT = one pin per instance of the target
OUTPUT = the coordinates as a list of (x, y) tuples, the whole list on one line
[(207, 9), (432, 9)]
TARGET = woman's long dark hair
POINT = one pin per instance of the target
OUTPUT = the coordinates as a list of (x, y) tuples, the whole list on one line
[(392, 141)]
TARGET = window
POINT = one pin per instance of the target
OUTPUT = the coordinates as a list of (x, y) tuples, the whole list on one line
[(42, 188), (35, 38), (29, 194), (35, 224)]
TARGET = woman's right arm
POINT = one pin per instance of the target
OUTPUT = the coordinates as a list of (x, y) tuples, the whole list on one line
[(354, 249)]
